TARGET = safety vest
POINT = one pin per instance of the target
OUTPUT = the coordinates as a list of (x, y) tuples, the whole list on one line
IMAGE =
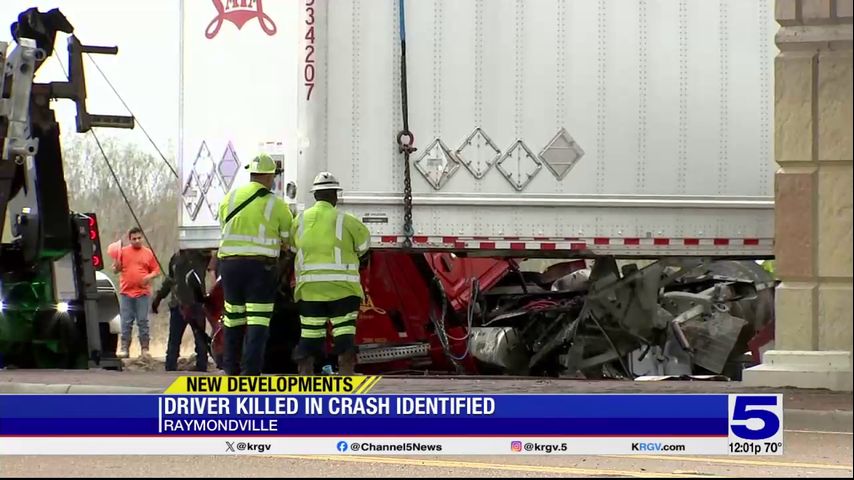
[(768, 266), (259, 229), (328, 244)]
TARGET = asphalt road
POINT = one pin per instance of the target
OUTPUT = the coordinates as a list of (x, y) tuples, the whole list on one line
[(806, 455)]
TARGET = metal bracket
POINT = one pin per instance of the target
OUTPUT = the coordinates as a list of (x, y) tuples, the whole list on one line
[(437, 164), (192, 196), (561, 154), (386, 354), (229, 165), (478, 153), (20, 66), (525, 167), (204, 167)]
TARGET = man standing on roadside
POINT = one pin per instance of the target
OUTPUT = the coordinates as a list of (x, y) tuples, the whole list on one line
[(184, 284), (137, 268)]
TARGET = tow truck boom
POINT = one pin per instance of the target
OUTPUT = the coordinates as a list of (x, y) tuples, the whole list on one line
[(49, 255)]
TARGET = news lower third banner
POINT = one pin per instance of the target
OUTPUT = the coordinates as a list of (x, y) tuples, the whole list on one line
[(220, 415)]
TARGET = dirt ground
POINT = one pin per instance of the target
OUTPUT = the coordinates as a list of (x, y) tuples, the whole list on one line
[(159, 332)]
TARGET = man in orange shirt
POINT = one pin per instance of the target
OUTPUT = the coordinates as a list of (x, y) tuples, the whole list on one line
[(138, 268)]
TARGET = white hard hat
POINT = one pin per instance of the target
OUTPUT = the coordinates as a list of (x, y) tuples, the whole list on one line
[(325, 181)]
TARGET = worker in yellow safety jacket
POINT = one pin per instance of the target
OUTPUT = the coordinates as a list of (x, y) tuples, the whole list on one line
[(768, 266), (255, 227), (330, 246)]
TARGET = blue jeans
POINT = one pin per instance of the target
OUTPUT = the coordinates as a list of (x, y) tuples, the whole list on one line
[(134, 310)]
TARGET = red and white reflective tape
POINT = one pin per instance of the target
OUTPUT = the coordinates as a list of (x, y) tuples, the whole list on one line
[(580, 244)]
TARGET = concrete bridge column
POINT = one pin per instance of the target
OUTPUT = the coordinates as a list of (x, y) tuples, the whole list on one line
[(813, 148)]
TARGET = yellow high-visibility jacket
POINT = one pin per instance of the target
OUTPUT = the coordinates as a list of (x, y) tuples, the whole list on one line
[(328, 244), (262, 228)]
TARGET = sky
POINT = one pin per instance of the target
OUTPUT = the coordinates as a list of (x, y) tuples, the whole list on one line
[(145, 71)]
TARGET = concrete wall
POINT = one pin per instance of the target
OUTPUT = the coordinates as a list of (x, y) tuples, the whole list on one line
[(813, 148)]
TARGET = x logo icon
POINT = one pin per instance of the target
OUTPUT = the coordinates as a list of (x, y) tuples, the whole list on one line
[(229, 446)]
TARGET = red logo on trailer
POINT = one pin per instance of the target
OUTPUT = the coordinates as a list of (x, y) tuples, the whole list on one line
[(239, 12)]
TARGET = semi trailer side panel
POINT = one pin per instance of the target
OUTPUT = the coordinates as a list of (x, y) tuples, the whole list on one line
[(549, 127), (601, 126)]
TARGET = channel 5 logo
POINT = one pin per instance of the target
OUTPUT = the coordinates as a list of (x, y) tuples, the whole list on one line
[(516, 446), (755, 417)]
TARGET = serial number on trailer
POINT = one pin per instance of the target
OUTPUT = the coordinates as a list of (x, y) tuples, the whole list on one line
[(309, 73)]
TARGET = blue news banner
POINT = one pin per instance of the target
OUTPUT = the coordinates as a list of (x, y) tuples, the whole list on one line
[(391, 424)]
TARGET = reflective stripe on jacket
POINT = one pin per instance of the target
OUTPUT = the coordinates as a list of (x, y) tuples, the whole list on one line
[(328, 244), (261, 228)]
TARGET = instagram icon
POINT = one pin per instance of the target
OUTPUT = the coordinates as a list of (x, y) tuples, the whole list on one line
[(516, 446)]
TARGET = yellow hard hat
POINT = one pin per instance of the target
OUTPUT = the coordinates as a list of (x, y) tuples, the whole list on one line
[(262, 164)]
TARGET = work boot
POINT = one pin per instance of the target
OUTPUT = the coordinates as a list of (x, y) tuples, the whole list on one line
[(254, 345), (347, 364), (143, 347), (123, 352), (306, 366), (233, 347)]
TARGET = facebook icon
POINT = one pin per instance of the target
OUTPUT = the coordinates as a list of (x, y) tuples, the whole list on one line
[(342, 446)]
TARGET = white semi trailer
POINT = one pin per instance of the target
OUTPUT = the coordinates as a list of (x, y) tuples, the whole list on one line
[(603, 127), (542, 128)]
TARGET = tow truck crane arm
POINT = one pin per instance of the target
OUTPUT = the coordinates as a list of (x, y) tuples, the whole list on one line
[(47, 240)]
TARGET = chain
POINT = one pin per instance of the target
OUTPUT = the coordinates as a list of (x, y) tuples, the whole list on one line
[(405, 139), (407, 149)]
